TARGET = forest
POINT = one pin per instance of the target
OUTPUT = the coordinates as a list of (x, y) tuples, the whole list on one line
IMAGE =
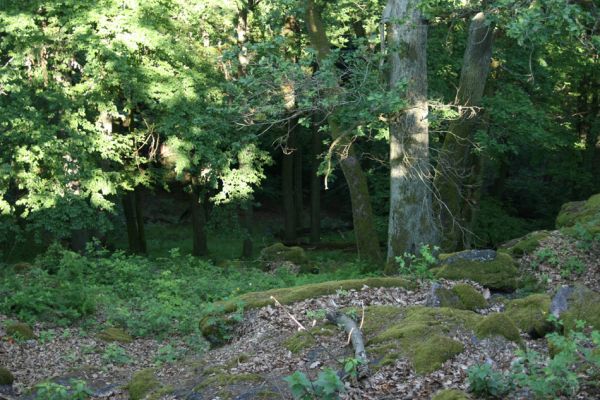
[(299, 199)]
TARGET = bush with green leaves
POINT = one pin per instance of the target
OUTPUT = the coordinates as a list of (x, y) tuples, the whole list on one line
[(327, 386), (575, 357), (418, 266), (76, 390)]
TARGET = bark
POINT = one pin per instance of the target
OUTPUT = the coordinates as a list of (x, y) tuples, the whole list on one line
[(315, 184), (298, 198), (131, 220), (411, 222), (367, 242), (457, 178), (356, 337), (287, 176), (139, 219), (199, 243)]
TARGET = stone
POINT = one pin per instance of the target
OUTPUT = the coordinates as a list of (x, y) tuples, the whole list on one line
[(20, 330), (530, 314), (115, 335), (572, 304), (6, 377), (497, 273), (278, 255)]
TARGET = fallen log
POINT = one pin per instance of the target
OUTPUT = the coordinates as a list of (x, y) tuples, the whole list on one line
[(356, 337)]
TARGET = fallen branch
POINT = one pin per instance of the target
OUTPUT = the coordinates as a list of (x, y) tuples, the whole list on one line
[(354, 336)]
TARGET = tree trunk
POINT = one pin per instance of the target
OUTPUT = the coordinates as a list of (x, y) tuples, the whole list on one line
[(139, 219), (315, 184), (199, 245), (298, 199), (131, 220), (367, 242), (411, 222), (287, 176), (457, 178)]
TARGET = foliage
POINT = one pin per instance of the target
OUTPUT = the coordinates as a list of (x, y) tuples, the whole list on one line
[(115, 354), (76, 390), (418, 266), (483, 380), (327, 386)]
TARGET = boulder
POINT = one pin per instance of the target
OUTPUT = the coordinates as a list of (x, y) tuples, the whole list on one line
[(20, 330), (582, 213), (524, 245), (573, 303), (115, 335), (279, 255), (497, 271), (530, 314), (6, 377), (498, 324), (461, 296), (142, 384)]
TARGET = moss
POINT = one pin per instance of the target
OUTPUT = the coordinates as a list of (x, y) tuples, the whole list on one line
[(235, 361), (224, 379), (20, 330), (500, 273), (584, 304), (430, 354), (417, 333), (584, 213), (217, 324), (278, 253), (530, 314), (115, 335), (469, 297), (142, 384), (299, 341), (162, 393), (498, 324), (450, 394), (6, 377), (524, 245)]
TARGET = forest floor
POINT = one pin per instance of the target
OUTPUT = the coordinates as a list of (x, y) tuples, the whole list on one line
[(253, 363)]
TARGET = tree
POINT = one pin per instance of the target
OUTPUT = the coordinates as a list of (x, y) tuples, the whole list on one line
[(411, 222), (362, 214)]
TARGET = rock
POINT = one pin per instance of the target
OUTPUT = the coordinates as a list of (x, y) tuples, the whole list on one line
[(530, 314), (461, 296), (498, 273), (142, 384), (583, 213), (498, 324), (524, 245), (22, 267), (279, 255), (115, 335), (6, 377), (450, 394), (417, 333), (20, 330), (571, 304)]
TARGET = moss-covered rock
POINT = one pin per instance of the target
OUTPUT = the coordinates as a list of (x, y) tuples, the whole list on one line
[(22, 267), (217, 324), (115, 335), (524, 245), (6, 377), (279, 255), (581, 304), (142, 384), (461, 296), (418, 333), (583, 213), (299, 341), (450, 394), (499, 273), (20, 330), (498, 324), (530, 314)]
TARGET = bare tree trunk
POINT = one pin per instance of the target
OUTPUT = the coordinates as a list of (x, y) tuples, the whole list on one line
[(298, 198), (139, 219), (199, 242), (315, 184), (411, 222), (362, 213), (457, 176), (133, 216), (287, 177)]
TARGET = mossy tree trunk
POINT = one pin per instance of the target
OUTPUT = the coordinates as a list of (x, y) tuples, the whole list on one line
[(315, 184), (458, 170), (199, 240), (367, 242), (411, 222), (134, 220)]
